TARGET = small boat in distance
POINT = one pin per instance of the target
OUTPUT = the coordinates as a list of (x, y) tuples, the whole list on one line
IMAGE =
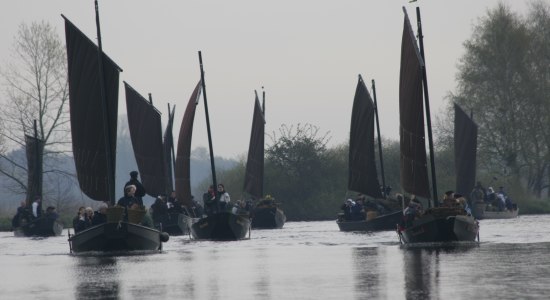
[(25, 222), (219, 225), (266, 213), (93, 94), (381, 213), (439, 223), (465, 146)]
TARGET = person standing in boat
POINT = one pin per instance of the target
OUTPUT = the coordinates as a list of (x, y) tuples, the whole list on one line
[(140, 189), (478, 194), (347, 208), (223, 197), (129, 199), (210, 201), (159, 211), (37, 207), (22, 216)]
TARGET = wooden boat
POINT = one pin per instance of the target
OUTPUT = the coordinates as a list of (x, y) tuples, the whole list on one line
[(504, 214), (93, 94), (153, 157), (43, 226), (224, 225), (363, 176), (266, 214), (436, 224)]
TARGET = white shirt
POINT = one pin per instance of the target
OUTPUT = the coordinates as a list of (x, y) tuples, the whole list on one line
[(225, 197), (35, 209)]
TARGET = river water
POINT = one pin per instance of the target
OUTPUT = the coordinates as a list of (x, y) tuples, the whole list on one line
[(304, 260)]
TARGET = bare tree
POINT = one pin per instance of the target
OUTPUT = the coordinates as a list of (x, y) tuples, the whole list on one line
[(36, 88)]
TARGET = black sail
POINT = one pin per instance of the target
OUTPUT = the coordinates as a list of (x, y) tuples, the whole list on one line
[(363, 176), (87, 122), (254, 175), (414, 170), (34, 151), (465, 151), (144, 122), (168, 145), (182, 169)]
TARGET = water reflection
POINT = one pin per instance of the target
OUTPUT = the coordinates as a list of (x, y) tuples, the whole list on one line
[(262, 282), (97, 278), (367, 272), (422, 268)]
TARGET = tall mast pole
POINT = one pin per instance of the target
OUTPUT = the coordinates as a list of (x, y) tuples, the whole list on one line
[(104, 108), (427, 105), (379, 141), (214, 183), (39, 154), (171, 120), (263, 101)]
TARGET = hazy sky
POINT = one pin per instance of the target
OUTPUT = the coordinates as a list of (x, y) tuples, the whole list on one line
[(307, 54)]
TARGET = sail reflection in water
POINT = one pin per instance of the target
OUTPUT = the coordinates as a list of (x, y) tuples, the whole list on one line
[(97, 278), (303, 260)]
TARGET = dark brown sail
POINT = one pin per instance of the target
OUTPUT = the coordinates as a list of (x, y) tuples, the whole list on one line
[(87, 122), (168, 147), (254, 175), (465, 151), (182, 169), (414, 171), (363, 176), (145, 126), (34, 149)]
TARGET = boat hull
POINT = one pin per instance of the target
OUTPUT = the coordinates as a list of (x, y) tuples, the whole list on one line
[(380, 223), (224, 226), (117, 236), (506, 214), (268, 218), (432, 229), (175, 224), (40, 227)]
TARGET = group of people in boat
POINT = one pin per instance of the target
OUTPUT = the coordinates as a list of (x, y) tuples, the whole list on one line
[(26, 214), (495, 200), (132, 200), (362, 208), (218, 200), (454, 203)]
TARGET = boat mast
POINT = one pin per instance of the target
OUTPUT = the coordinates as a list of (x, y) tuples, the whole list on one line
[(38, 167), (171, 121), (214, 183), (104, 108), (379, 141), (263, 101), (263, 146), (427, 105)]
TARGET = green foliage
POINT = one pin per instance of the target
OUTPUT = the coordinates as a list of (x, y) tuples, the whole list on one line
[(504, 78)]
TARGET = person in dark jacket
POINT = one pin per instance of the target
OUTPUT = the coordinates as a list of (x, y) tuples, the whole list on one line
[(140, 190), (210, 201), (129, 199), (159, 211), (100, 216)]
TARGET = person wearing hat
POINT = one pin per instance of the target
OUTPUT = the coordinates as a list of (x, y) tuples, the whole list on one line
[(140, 189)]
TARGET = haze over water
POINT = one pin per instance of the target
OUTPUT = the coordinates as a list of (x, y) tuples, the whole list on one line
[(304, 260)]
